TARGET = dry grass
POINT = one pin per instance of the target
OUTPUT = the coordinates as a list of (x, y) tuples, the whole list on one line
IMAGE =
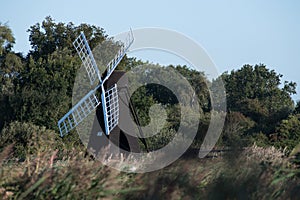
[(255, 173)]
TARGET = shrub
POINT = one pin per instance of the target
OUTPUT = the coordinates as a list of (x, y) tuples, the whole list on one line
[(29, 139), (287, 133)]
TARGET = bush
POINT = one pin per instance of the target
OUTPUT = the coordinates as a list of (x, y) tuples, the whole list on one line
[(235, 129), (29, 139), (287, 133)]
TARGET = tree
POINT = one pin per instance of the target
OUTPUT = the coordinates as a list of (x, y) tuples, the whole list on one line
[(256, 93), (10, 66), (6, 39), (235, 128), (50, 36), (45, 83), (297, 108), (44, 90), (287, 133), (200, 84)]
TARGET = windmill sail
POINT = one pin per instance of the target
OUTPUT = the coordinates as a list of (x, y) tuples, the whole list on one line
[(110, 105), (109, 98), (80, 111), (111, 66), (83, 49)]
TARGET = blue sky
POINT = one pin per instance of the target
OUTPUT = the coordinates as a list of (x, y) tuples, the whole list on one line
[(232, 32)]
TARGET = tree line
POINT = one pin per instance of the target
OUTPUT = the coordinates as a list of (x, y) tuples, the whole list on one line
[(37, 88)]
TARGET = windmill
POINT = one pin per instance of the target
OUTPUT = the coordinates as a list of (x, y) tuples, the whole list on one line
[(109, 97)]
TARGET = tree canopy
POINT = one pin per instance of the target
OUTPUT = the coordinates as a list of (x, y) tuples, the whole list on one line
[(259, 93), (7, 39)]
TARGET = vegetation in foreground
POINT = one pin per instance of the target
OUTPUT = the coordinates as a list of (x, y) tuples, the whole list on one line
[(254, 173)]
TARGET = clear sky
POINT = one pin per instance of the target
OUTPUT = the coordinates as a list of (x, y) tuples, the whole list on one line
[(233, 32)]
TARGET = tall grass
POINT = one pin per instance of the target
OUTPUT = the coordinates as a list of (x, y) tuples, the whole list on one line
[(49, 172)]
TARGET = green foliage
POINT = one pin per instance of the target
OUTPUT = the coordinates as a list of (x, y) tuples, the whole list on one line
[(12, 65), (50, 36), (9, 73), (287, 133), (256, 93), (260, 139), (29, 139), (295, 154), (149, 94), (235, 129), (161, 139), (6, 39), (297, 108), (6, 94), (46, 89), (199, 83), (128, 63), (142, 103)]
